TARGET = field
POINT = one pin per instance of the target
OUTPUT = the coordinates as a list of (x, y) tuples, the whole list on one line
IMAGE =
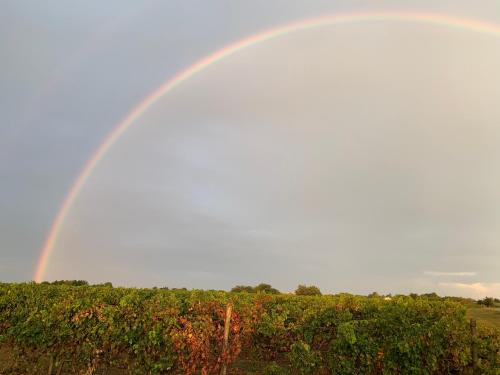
[(61, 329), (489, 316)]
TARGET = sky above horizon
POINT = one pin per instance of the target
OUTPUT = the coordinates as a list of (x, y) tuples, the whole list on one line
[(357, 157)]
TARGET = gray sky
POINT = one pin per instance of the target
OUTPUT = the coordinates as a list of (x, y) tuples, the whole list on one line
[(356, 157)]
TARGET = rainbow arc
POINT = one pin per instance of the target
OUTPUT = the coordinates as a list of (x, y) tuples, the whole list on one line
[(415, 17)]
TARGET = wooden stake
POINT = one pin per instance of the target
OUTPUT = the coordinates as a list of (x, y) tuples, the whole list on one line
[(227, 323), (473, 348), (59, 370), (51, 364)]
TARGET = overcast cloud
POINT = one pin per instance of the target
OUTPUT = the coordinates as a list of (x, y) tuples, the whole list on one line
[(357, 157)]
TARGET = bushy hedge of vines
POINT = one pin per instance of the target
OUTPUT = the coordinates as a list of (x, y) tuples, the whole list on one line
[(86, 329)]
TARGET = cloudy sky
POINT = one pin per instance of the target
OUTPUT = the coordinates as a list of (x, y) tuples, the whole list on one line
[(357, 157)]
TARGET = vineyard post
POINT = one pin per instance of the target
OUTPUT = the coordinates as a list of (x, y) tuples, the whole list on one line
[(473, 332), (51, 364), (226, 336)]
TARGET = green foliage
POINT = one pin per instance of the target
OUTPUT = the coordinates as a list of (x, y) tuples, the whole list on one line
[(304, 359), (274, 369), (303, 290)]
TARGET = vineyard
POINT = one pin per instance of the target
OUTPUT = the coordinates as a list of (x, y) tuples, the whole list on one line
[(61, 329)]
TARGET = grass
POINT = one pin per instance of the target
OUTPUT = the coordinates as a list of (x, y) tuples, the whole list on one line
[(490, 316), (248, 366), (4, 358)]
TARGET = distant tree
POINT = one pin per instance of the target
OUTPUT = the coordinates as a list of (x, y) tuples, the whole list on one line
[(303, 290), (487, 301), (71, 282), (242, 288), (432, 295), (373, 295), (265, 288), (106, 284), (261, 288)]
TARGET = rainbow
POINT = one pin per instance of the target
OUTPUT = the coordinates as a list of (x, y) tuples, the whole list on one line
[(199, 66)]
